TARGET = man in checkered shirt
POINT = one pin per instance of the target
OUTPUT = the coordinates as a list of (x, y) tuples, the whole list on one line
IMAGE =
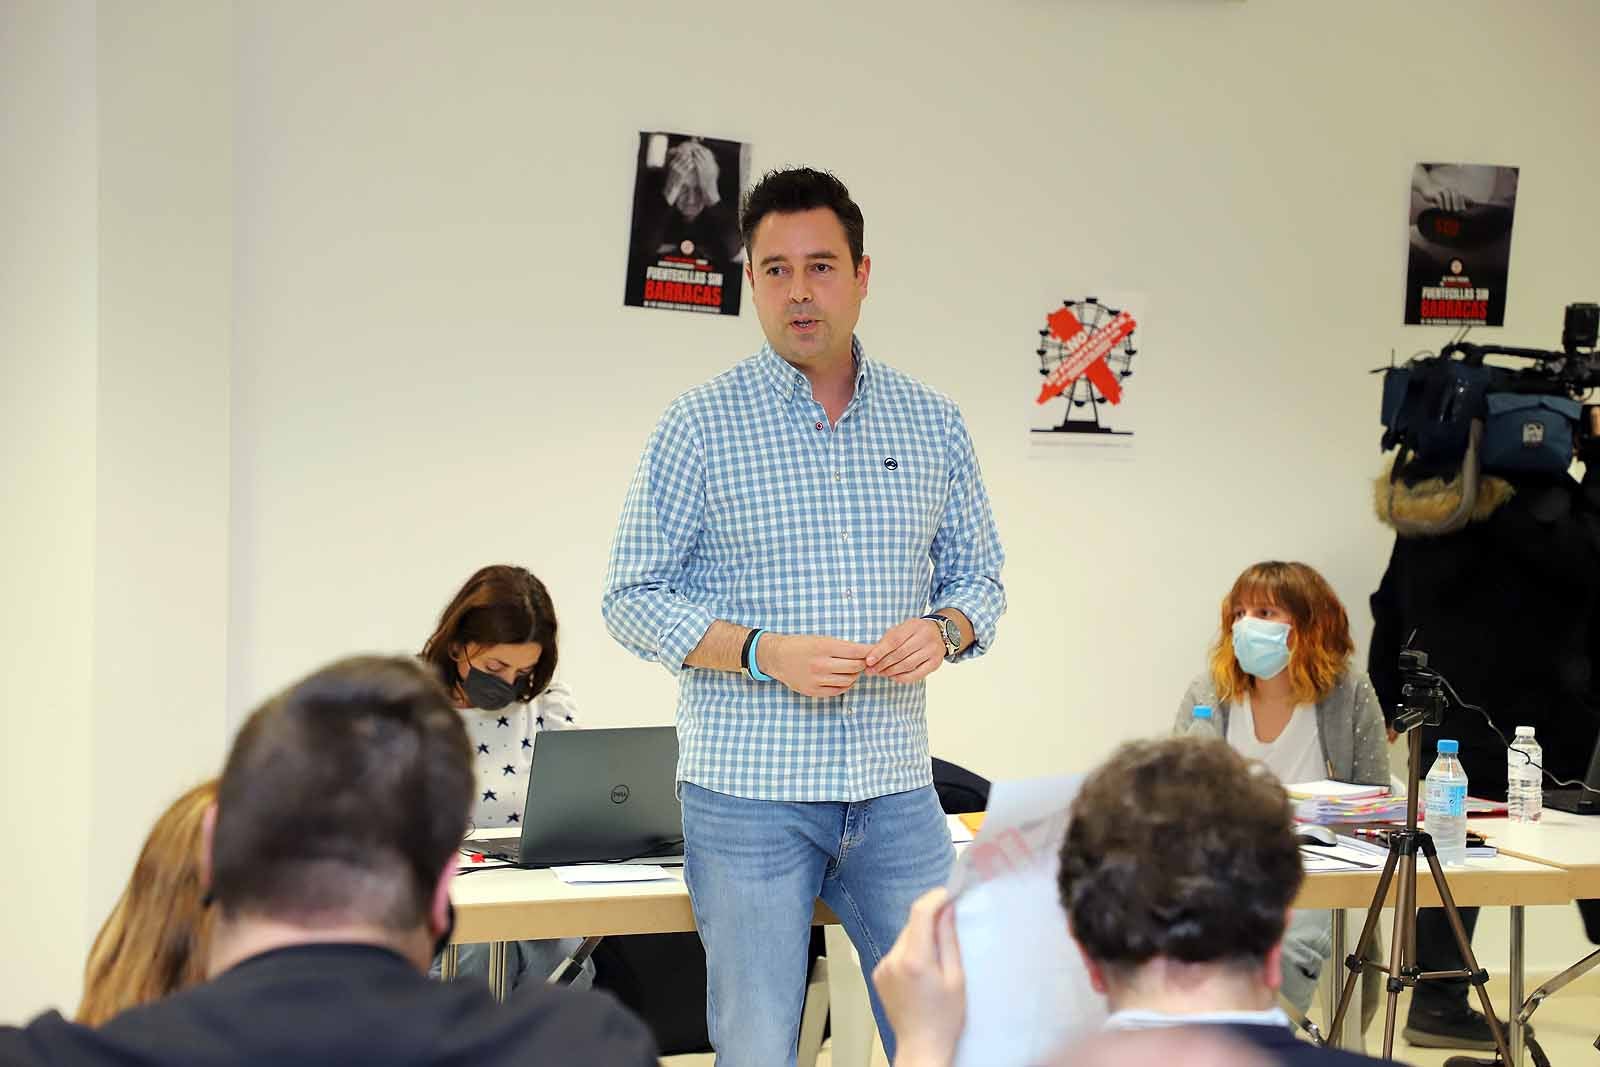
[(806, 539)]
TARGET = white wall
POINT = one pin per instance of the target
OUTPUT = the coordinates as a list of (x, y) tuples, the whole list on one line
[(433, 369), (165, 286), (116, 200), (47, 484)]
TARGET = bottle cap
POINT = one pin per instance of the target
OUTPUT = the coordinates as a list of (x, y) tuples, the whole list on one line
[(1448, 747), (1524, 731), (1202, 711)]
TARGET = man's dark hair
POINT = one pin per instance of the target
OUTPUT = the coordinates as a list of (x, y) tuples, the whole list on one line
[(343, 798), (788, 192), (1179, 849)]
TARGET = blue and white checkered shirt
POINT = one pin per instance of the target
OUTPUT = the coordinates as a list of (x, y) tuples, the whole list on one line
[(748, 507)]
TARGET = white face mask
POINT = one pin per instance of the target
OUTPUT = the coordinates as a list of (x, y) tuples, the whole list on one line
[(1261, 646)]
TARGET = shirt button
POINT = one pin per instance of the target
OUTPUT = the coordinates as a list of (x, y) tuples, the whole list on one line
[(838, 476), (845, 535), (819, 425), (848, 710), (848, 594)]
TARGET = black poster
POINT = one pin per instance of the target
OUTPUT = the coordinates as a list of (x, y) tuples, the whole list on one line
[(684, 252), (1460, 244)]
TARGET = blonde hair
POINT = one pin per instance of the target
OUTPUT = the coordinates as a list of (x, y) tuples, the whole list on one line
[(1319, 636), (155, 940)]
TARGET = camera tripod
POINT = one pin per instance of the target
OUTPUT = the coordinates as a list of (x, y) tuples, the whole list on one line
[(1424, 704)]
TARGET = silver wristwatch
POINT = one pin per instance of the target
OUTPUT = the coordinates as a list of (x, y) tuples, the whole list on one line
[(947, 630)]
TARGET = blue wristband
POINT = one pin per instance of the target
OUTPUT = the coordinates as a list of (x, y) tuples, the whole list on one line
[(755, 668)]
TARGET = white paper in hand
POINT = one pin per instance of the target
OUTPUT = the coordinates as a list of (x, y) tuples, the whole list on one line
[(1028, 993)]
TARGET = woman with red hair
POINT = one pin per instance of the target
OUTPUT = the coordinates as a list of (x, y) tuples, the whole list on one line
[(1283, 692)]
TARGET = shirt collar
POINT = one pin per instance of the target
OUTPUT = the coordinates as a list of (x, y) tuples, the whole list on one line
[(787, 381), (1136, 1019)]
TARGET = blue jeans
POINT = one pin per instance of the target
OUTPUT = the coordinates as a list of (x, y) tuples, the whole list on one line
[(755, 869)]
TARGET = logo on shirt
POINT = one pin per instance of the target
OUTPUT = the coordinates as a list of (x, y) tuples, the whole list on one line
[(891, 464), (620, 794)]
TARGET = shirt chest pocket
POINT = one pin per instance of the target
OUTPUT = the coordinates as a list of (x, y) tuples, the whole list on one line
[(903, 490)]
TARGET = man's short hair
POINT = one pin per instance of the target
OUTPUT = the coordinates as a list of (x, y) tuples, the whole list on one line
[(789, 192), (343, 798), (1179, 849)]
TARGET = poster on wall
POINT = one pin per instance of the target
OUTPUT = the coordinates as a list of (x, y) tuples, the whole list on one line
[(1086, 355), (1460, 237), (684, 252)]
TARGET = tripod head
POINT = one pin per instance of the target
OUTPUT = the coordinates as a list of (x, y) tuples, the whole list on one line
[(1423, 698)]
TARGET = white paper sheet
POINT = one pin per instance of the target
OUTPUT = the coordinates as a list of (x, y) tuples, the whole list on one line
[(1028, 993), (600, 873)]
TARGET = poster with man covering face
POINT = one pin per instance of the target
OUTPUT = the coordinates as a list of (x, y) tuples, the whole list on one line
[(1460, 234), (684, 251)]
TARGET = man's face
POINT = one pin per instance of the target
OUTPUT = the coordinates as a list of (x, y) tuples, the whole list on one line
[(808, 296)]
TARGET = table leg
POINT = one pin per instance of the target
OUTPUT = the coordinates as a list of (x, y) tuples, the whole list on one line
[(497, 970), (1516, 980), (1352, 1039), (1333, 980), (849, 1007), (449, 960)]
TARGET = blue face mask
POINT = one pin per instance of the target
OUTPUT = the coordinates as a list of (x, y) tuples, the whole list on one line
[(1261, 646)]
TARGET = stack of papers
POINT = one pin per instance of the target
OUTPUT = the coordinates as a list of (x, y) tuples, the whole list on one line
[(1327, 801), (1329, 789), (1322, 811)]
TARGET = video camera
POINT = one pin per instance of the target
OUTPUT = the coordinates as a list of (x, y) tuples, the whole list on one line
[(1455, 413), (1422, 693)]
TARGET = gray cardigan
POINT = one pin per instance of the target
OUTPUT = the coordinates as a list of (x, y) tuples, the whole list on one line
[(1349, 724)]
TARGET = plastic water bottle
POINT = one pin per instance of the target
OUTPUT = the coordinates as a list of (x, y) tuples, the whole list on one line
[(1446, 801), (1203, 724), (1524, 777)]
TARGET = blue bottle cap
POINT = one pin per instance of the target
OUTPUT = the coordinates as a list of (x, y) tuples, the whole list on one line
[(1448, 747), (1202, 711)]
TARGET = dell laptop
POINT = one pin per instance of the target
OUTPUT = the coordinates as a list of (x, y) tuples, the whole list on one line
[(597, 796)]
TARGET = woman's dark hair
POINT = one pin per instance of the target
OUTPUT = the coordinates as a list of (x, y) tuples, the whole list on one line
[(1179, 849), (499, 605), (788, 192)]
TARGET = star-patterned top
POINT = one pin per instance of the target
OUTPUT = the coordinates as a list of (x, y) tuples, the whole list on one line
[(502, 745)]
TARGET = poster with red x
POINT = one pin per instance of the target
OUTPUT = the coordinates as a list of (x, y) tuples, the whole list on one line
[(1085, 358)]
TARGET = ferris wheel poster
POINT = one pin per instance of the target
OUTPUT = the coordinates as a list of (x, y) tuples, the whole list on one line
[(1086, 393), (684, 248)]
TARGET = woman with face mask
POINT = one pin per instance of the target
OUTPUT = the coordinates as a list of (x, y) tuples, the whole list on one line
[(494, 649), (1283, 692)]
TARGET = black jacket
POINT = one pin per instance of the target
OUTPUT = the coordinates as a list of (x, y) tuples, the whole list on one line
[(1282, 1046), (1506, 609), (342, 1004)]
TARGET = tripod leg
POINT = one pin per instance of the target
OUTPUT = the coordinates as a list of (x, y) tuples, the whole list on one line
[(1514, 1017), (1476, 975), (1336, 1025), (1405, 922)]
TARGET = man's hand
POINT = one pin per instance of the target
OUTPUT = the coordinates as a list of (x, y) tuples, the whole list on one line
[(908, 653), (811, 666), (922, 985)]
